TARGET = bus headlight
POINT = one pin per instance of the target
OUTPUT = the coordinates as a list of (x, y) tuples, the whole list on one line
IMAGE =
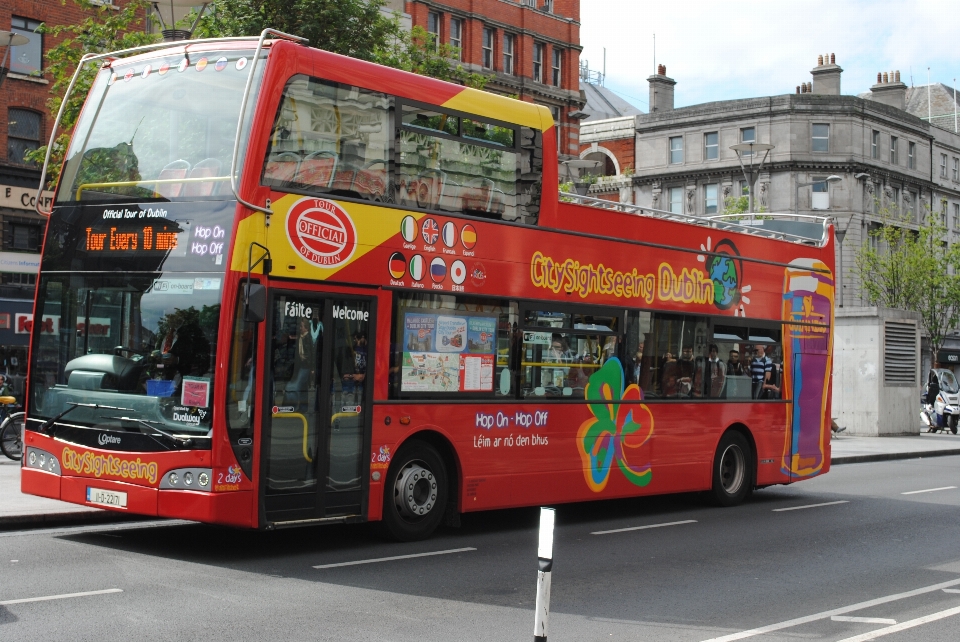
[(187, 478), (42, 460)]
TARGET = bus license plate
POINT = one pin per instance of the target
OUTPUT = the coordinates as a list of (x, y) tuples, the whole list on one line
[(106, 497)]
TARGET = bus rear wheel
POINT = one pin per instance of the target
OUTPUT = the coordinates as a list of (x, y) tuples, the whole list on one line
[(732, 470), (415, 495)]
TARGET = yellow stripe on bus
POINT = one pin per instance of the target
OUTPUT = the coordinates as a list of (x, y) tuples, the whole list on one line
[(483, 103)]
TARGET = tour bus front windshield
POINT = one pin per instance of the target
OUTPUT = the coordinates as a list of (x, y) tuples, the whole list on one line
[(142, 342), (159, 128)]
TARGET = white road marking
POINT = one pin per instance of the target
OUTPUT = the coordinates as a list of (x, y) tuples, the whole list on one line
[(928, 490), (60, 597), (838, 611), (780, 510), (909, 624), (951, 590), (641, 528), (97, 528), (396, 557), (862, 620)]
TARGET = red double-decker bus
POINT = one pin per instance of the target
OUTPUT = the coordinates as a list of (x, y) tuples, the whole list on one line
[(284, 287)]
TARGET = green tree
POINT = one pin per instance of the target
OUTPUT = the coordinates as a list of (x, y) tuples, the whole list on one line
[(106, 28), (356, 28), (913, 269)]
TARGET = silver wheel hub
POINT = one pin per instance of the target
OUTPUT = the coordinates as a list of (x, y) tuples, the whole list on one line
[(732, 469), (416, 491)]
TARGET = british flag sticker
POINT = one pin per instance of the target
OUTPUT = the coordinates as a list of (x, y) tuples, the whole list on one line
[(430, 231)]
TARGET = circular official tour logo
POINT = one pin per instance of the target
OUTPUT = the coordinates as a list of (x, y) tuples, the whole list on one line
[(321, 232)]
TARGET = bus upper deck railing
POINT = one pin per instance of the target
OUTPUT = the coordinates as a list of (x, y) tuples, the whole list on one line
[(758, 224)]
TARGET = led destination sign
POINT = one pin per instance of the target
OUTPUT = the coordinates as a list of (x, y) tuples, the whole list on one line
[(149, 238)]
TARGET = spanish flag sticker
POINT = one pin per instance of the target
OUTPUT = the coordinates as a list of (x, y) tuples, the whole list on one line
[(408, 229), (416, 267), (468, 236), (398, 265)]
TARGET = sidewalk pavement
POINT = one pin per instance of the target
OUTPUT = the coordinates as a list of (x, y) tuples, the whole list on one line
[(26, 511)]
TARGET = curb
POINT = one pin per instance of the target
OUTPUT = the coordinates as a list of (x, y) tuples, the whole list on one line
[(861, 459), (18, 522)]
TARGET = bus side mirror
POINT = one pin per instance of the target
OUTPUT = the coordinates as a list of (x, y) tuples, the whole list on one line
[(255, 296)]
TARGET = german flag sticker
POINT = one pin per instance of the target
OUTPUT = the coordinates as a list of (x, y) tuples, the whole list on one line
[(416, 267), (468, 236), (398, 265)]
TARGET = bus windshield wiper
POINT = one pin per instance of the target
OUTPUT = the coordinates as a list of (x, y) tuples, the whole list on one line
[(180, 441), (48, 426)]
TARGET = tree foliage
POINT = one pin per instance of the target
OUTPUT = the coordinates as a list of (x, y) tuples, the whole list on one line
[(913, 269), (105, 28)]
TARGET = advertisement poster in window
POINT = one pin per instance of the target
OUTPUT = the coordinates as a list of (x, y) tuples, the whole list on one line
[(444, 353)]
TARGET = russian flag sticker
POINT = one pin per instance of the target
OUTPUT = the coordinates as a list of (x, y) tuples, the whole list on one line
[(408, 229), (438, 270), (397, 265), (468, 236), (458, 272), (449, 234), (416, 267)]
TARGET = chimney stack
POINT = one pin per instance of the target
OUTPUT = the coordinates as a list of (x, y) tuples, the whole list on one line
[(661, 90), (889, 90), (826, 76)]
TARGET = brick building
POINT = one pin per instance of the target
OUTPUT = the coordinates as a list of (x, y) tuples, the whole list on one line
[(529, 48)]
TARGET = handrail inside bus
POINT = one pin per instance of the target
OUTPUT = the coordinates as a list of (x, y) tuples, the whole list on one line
[(156, 181), (712, 221), (113, 55)]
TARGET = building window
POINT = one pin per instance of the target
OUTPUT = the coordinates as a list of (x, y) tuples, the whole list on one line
[(18, 278), (956, 168), (943, 211), (956, 217), (456, 36), (912, 155), (894, 158), (711, 146), (488, 48), (557, 67), (508, 43), (895, 200), (22, 237), (433, 27), (23, 134), (875, 144), (748, 135), (943, 165), (676, 199), (710, 195), (676, 150), (821, 138), (538, 48), (26, 59), (548, 6)]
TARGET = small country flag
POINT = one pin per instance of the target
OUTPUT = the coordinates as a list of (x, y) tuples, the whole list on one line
[(449, 234), (241, 63), (438, 270), (458, 272), (397, 265), (127, 76), (201, 64), (408, 229), (468, 236), (183, 64), (221, 64), (146, 71), (113, 79), (416, 267), (430, 232), (164, 68)]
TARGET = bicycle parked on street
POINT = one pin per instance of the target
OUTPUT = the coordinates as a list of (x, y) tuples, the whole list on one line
[(11, 429)]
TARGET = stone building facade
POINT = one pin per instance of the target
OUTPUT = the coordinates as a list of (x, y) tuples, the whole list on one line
[(530, 49), (889, 161)]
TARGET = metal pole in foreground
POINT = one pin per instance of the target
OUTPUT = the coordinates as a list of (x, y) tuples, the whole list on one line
[(545, 566)]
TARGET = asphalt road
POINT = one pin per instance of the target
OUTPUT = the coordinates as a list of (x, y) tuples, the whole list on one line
[(863, 559)]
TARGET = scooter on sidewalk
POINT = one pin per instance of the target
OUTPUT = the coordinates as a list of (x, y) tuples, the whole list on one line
[(940, 402)]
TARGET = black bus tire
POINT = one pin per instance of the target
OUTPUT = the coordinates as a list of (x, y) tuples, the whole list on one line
[(415, 494), (732, 470)]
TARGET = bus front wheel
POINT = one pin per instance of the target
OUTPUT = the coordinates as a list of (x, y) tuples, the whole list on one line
[(416, 492), (732, 470)]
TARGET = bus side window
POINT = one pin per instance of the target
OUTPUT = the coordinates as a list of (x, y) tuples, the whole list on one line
[(330, 138), (241, 386)]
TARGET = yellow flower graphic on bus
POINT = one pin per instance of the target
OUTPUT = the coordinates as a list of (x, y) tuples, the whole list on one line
[(615, 429)]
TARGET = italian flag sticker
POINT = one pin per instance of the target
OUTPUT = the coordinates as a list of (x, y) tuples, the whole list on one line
[(416, 267)]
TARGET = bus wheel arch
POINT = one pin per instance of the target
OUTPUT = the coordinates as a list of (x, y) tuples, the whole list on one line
[(734, 467), (421, 482)]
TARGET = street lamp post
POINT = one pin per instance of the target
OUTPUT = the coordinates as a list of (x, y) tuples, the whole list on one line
[(580, 187), (177, 8), (9, 39), (749, 172)]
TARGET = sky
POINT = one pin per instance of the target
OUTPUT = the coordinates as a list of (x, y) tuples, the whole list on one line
[(727, 50)]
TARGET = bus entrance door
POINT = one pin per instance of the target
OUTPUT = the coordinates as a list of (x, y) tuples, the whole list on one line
[(318, 406)]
